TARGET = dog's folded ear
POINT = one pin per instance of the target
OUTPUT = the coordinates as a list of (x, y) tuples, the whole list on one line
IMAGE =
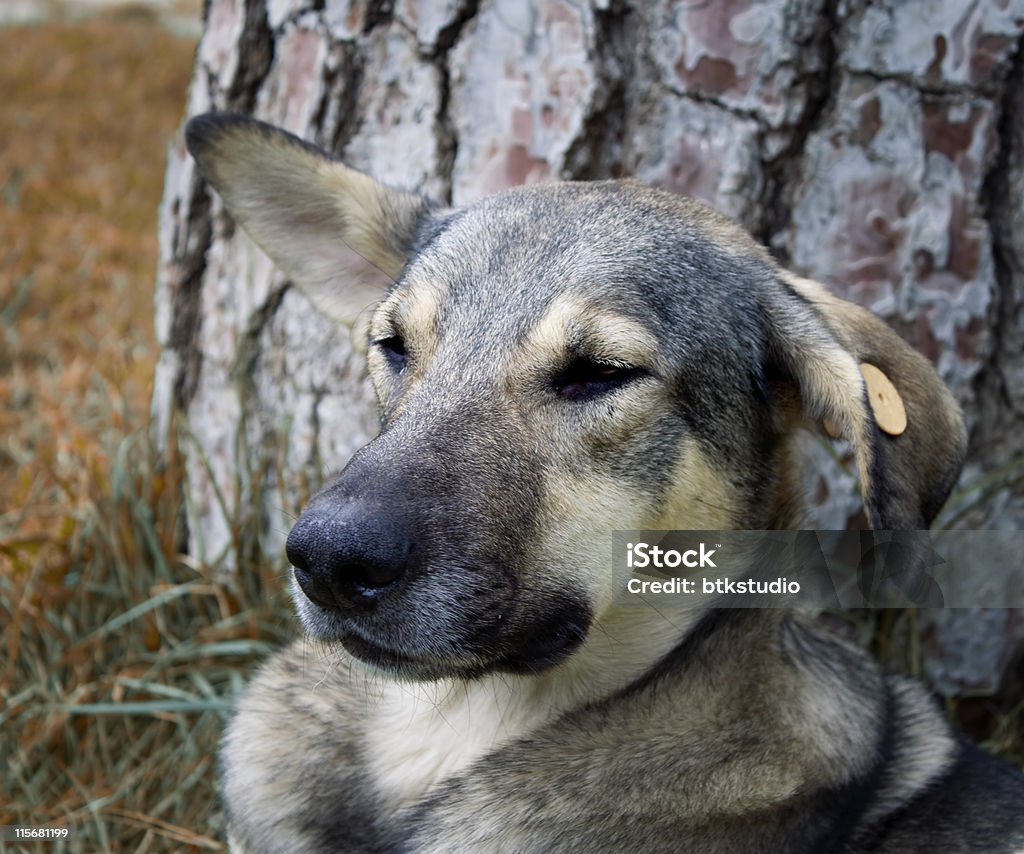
[(858, 376), (339, 235)]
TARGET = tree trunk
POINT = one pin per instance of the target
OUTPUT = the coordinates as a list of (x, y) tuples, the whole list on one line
[(876, 145)]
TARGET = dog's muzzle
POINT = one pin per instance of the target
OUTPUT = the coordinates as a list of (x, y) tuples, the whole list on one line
[(417, 558)]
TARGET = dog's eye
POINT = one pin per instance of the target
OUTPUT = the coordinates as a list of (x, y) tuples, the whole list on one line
[(393, 349), (585, 379)]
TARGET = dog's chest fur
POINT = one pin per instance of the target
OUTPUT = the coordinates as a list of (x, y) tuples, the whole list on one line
[(426, 733)]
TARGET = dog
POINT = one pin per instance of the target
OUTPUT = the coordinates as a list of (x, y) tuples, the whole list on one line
[(553, 363)]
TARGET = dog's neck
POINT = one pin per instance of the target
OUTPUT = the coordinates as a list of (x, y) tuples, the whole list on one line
[(426, 732)]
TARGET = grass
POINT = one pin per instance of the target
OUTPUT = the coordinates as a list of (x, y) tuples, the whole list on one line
[(121, 655)]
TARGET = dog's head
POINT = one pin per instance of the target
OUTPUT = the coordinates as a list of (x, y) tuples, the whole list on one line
[(554, 363)]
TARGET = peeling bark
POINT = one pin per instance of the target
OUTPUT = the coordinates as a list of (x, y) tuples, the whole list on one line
[(874, 144)]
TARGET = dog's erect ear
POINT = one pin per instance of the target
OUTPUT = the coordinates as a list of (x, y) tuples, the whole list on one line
[(339, 235), (858, 376)]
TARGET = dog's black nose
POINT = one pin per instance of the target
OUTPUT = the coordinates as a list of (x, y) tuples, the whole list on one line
[(346, 557)]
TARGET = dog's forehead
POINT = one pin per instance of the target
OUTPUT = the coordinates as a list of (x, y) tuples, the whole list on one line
[(500, 265), (550, 235)]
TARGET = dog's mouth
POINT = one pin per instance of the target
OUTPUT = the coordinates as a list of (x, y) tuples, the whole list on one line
[(380, 656), (533, 651), (407, 664), (525, 637), (547, 644)]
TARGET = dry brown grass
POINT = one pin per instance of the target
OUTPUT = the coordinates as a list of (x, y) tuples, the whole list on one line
[(86, 114), (120, 659)]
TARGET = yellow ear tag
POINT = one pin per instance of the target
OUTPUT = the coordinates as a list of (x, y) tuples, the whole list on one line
[(885, 401)]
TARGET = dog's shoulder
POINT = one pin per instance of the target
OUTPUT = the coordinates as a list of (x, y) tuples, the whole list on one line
[(928, 788), (977, 804), (292, 767)]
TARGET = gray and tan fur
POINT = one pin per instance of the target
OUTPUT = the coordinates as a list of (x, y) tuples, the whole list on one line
[(553, 363)]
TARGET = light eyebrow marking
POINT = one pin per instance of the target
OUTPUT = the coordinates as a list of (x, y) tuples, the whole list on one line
[(413, 312), (410, 313), (383, 322), (576, 325)]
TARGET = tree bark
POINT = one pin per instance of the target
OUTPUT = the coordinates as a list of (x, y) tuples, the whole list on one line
[(876, 145)]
